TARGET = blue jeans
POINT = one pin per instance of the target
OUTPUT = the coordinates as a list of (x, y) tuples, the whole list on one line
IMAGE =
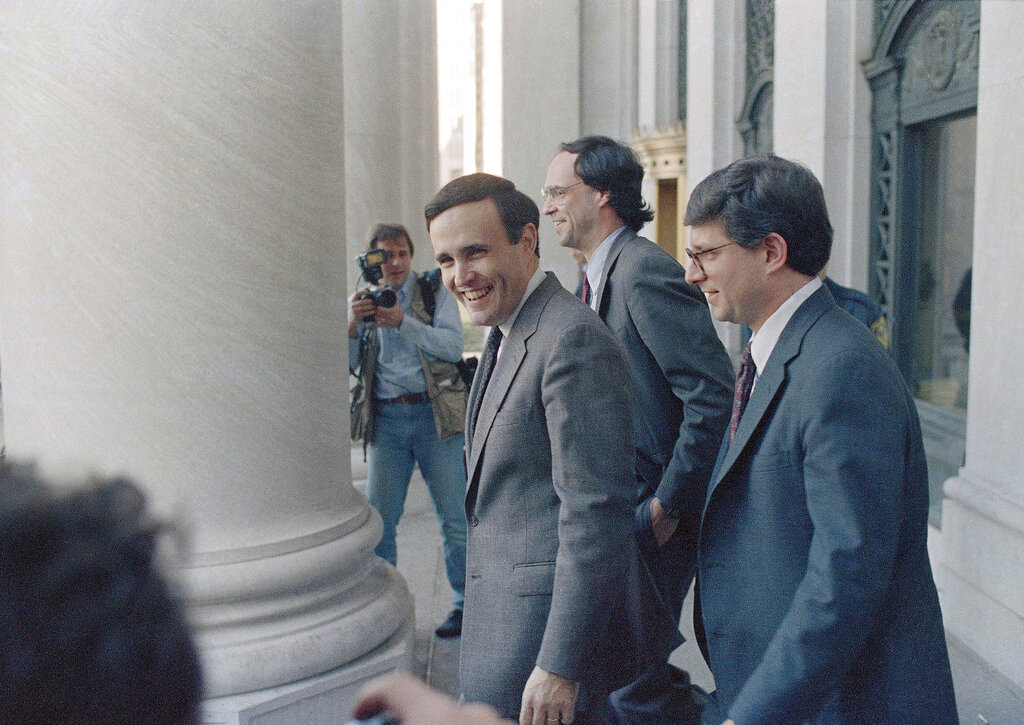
[(404, 434)]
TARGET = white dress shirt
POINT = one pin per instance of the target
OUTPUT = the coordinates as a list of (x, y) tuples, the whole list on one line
[(538, 276), (764, 340), (595, 265)]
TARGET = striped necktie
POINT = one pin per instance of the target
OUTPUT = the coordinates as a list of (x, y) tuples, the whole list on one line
[(487, 360), (744, 384)]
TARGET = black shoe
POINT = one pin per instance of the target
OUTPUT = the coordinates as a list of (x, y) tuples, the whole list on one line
[(451, 627)]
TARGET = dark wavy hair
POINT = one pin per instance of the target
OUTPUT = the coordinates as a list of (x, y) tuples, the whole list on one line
[(388, 230), (606, 165), (762, 194), (515, 208), (89, 630)]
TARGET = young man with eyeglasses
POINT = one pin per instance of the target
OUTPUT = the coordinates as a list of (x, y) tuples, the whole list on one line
[(816, 601), (681, 379)]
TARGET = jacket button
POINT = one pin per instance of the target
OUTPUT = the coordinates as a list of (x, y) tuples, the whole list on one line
[(473, 521)]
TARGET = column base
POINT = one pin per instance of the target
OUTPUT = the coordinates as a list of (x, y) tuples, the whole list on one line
[(981, 567), (326, 699)]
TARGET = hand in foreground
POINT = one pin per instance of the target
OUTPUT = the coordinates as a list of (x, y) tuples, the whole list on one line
[(359, 306), (416, 704), (548, 699), (389, 316), (663, 524)]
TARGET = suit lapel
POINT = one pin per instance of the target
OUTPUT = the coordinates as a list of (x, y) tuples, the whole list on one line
[(769, 383), (513, 351), (609, 264)]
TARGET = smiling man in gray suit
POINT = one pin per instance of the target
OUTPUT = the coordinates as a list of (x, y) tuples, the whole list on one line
[(682, 379), (550, 626), (816, 599)]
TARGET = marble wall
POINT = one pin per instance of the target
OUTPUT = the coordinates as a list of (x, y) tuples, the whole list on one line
[(541, 106), (714, 87), (822, 107), (982, 561)]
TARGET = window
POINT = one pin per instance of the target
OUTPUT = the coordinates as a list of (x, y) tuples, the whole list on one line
[(945, 247), (924, 81)]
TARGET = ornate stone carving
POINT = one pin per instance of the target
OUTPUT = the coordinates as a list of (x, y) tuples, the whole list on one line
[(883, 8), (884, 238), (942, 51), (937, 49), (682, 61), (755, 122), (760, 39)]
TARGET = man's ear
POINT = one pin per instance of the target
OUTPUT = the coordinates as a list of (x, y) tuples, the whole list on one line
[(605, 198), (528, 236), (776, 250)]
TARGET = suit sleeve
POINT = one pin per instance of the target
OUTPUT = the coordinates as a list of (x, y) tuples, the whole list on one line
[(673, 320), (587, 409), (855, 436), (443, 339)]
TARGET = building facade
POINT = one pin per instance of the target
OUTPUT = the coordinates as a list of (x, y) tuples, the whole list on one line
[(911, 113), (182, 192)]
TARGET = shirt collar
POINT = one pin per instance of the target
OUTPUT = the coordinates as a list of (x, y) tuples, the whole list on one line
[(531, 286), (595, 265), (405, 291), (763, 342)]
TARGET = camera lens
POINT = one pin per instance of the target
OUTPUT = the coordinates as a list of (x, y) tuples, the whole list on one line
[(384, 297)]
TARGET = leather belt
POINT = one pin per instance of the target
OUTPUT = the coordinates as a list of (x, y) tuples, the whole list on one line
[(408, 398)]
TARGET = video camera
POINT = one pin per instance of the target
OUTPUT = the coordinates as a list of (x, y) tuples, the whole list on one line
[(370, 263)]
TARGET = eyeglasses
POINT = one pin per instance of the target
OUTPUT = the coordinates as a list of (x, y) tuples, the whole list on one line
[(695, 256), (556, 193)]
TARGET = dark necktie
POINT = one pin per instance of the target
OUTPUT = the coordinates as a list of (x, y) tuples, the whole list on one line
[(490, 356), (744, 384), (585, 292)]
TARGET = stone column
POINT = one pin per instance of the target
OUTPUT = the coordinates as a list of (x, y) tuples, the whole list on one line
[(391, 154), (714, 94), (610, 56), (172, 292), (541, 104), (822, 118), (982, 562)]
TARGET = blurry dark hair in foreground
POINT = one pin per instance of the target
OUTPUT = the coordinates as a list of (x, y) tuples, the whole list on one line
[(89, 629)]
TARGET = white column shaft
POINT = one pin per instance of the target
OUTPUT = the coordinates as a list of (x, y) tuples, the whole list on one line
[(822, 107), (173, 304)]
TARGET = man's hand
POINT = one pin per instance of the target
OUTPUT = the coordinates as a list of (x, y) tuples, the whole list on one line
[(358, 307), (548, 699), (414, 703), (663, 524), (389, 316)]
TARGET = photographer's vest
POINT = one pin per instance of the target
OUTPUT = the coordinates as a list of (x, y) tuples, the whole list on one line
[(445, 387)]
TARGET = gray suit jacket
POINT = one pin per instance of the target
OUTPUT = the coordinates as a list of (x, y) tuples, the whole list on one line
[(816, 597), (682, 377), (551, 558)]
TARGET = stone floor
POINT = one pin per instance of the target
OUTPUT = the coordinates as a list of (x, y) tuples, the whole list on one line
[(983, 696)]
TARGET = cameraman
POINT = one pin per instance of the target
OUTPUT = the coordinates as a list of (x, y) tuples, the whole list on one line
[(412, 404)]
